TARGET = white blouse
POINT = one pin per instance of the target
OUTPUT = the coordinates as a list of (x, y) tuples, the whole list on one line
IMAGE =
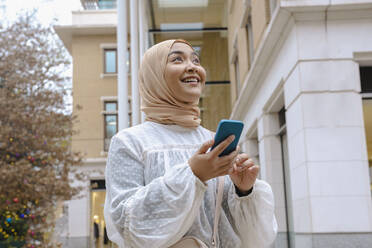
[(153, 199)]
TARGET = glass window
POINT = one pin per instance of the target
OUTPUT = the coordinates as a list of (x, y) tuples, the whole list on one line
[(366, 78), (110, 61), (110, 125), (106, 4), (110, 106)]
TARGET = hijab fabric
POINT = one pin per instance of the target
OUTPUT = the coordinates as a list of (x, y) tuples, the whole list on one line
[(159, 102)]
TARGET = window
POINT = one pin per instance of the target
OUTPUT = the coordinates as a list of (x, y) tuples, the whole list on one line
[(110, 61), (106, 4), (366, 78), (110, 122), (110, 119), (250, 45)]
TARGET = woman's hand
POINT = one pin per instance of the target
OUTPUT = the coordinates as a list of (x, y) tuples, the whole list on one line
[(244, 173), (209, 165)]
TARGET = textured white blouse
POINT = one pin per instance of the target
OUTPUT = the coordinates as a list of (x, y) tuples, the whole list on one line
[(153, 199)]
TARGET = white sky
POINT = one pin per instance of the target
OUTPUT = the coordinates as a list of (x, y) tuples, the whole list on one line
[(47, 9)]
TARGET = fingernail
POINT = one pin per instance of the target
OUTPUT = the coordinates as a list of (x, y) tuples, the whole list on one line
[(232, 137)]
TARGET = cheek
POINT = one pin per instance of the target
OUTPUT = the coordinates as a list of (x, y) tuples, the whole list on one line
[(171, 75), (203, 74)]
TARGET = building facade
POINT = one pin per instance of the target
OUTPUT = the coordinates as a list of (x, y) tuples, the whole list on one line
[(91, 40), (301, 82)]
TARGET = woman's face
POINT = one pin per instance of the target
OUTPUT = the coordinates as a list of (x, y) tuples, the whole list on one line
[(183, 72)]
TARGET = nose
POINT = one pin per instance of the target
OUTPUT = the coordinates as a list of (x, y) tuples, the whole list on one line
[(191, 67)]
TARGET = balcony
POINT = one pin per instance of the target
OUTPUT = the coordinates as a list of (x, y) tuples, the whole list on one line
[(98, 4)]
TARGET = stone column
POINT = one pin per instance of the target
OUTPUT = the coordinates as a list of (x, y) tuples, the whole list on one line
[(270, 153), (327, 153), (134, 61), (122, 50)]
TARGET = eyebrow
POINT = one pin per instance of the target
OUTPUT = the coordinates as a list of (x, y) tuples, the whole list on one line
[(180, 52)]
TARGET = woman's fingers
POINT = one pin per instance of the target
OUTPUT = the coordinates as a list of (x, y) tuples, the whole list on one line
[(222, 146), (241, 158), (228, 158), (205, 146), (246, 165)]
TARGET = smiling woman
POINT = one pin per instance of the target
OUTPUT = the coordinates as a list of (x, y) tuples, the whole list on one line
[(161, 180), (184, 74)]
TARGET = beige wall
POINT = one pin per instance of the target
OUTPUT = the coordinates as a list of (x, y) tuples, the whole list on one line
[(238, 37), (88, 87), (260, 19)]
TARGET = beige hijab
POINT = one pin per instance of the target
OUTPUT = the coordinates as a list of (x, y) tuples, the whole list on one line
[(159, 102)]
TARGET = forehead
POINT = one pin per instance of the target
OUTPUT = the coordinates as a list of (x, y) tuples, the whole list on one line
[(179, 46)]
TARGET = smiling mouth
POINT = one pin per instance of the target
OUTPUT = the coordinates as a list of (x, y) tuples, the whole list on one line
[(190, 80)]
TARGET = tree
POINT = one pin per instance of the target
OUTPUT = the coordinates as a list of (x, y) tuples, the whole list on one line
[(37, 165)]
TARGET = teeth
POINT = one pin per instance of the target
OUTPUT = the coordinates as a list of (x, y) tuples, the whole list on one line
[(191, 80)]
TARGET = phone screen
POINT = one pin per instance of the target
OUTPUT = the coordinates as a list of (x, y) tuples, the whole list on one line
[(225, 129)]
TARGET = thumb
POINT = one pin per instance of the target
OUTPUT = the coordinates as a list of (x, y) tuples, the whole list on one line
[(205, 146)]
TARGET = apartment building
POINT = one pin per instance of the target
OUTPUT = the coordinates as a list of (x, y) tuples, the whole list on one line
[(91, 40), (301, 80)]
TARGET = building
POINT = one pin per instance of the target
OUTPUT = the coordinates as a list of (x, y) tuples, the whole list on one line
[(301, 80), (91, 40)]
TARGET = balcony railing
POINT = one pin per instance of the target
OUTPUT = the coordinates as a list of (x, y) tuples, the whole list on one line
[(99, 4)]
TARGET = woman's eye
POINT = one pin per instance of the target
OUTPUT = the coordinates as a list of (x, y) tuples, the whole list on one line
[(177, 59), (196, 61)]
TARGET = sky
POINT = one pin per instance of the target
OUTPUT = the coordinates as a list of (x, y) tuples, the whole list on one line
[(48, 12), (47, 9)]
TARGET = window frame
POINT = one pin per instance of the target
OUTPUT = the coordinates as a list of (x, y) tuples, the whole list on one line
[(105, 60), (107, 113)]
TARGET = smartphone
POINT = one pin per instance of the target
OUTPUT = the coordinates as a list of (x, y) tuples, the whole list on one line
[(225, 129)]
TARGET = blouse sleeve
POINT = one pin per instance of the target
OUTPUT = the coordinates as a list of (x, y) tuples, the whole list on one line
[(154, 215), (254, 215)]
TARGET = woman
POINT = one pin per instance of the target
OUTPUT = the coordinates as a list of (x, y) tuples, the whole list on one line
[(160, 178)]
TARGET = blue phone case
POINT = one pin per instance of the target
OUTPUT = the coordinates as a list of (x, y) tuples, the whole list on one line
[(225, 129)]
